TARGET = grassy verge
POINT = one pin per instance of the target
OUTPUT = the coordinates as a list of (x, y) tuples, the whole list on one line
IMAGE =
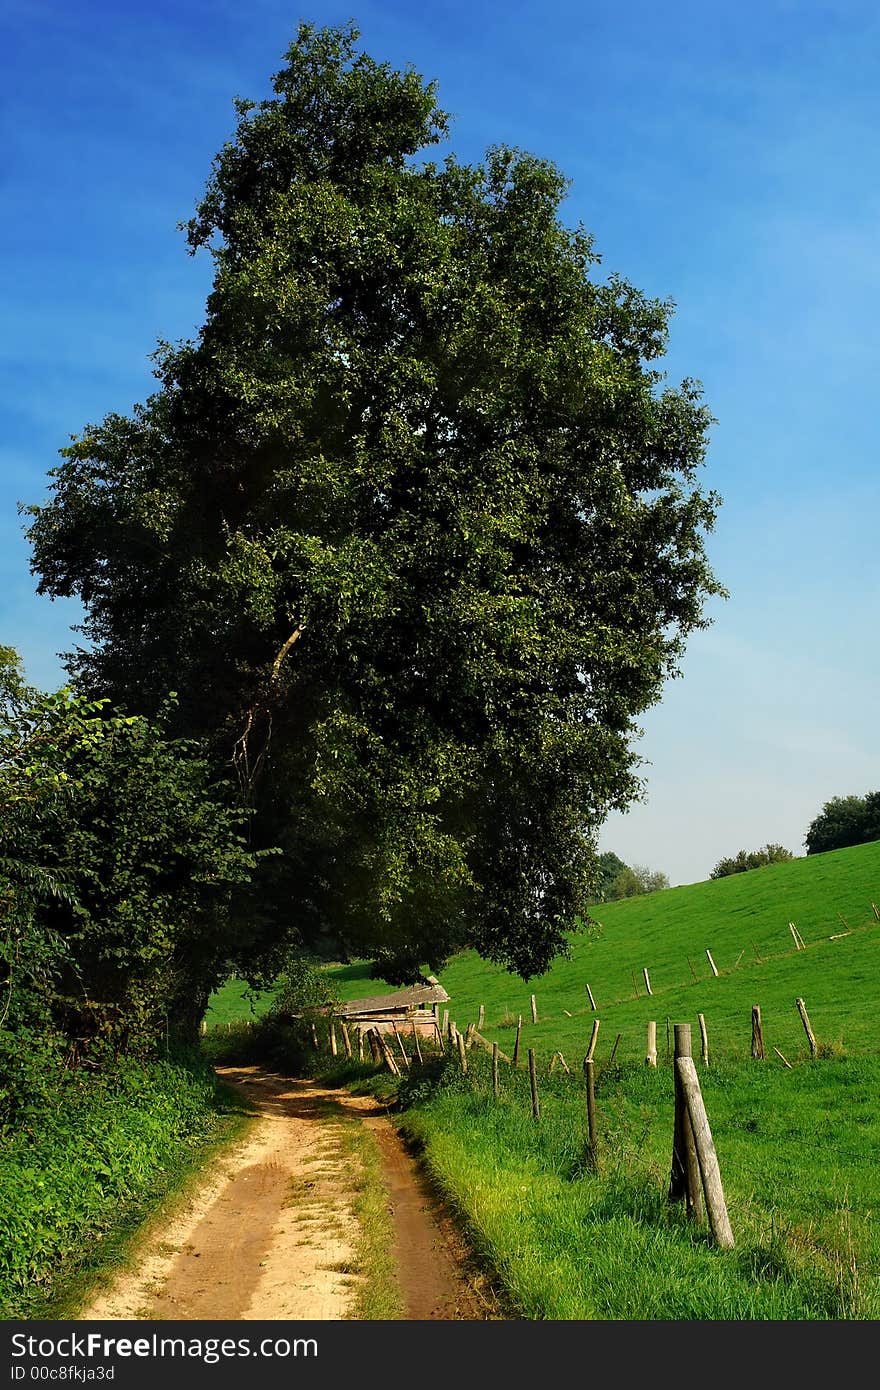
[(79, 1180), (567, 1243)]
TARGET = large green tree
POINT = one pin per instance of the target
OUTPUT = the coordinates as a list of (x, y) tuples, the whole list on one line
[(413, 526), (844, 821)]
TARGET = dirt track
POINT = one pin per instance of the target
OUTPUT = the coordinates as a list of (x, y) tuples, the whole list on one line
[(270, 1234)]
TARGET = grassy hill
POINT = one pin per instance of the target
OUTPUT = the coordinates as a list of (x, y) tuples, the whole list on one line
[(742, 920), (796, 1145)]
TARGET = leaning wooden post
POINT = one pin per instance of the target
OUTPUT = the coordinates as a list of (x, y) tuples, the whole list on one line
[(590, 1082), (401, 1046), (462, 1054), (757, 1033), (593, 1036), (719, 1222), (534, 1009), (805, 1019), (496, 1085), (590, 997), (651, 1051), (615, 1047), (415, 1035), (346, 1039), (333, 1044), (375, 1050), (684, 1178), (516, 1042), (876, 910), (481, 1019), (388, 1056), (711, 962), (704, 1040), (647, 979), (533, 1085)]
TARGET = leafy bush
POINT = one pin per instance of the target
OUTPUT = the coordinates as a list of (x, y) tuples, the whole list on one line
[(73, 1171), (751, 859)]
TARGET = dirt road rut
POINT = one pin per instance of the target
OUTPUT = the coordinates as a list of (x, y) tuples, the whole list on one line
[(271, 1232)]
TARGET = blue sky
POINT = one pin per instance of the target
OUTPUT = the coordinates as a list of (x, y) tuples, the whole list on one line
[(723, 157)]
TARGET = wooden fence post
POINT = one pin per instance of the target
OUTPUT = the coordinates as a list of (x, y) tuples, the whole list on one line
[(469, 1034), (401, 1046), (704, 1040), (346, 1040), (533, 1085), (651, 1051), (534, 1009), (439, 1037), (684, 1178), (360, 1033), (495, 1080), (590, 1082), (462, 1055), (590, 997), (516, 1042), (757, 1033), (593, 1036), (333, 1044), (793, 929), (719, 1222), (805, 1020), (876, 910), (711, 962), (375, 1050), (445, 1024), (482, 1016), (615, 1047), (388, 1056), (647, 979)]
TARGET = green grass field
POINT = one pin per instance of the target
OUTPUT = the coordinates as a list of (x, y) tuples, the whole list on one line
[(797, 1146)]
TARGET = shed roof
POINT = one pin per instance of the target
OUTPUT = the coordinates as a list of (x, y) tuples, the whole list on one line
[(400, 1001)]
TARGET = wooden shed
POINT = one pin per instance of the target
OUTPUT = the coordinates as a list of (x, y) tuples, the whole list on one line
[(405, 1009)]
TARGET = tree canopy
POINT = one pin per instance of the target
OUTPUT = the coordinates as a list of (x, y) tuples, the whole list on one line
[(413, 526), (844, 821)]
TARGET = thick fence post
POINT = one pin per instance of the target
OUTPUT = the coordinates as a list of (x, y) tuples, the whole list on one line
[(346, 1039), (684, 1178), (534, 1009), (757, 1033), (333, 1044), (719, 1222), (462, 1054), (360, 1033)]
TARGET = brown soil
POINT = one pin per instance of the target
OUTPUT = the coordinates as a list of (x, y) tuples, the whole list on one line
[(271, 1232)]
